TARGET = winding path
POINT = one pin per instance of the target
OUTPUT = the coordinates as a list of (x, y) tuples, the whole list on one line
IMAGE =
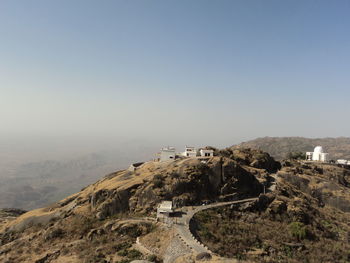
[(183, 225)]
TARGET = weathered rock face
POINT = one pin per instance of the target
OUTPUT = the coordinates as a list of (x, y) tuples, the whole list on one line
[(186, 182), (326, 183), (107, 203), (237, 179), (290, 216), (9, 214), (191, 181), (252, 157)]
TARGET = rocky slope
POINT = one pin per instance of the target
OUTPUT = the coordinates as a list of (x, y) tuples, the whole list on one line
[(305, 220), (100, 223), (279, 147), (30, 185), (306, 212), (9, 214)]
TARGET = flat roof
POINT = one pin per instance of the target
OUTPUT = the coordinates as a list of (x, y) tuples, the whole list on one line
[(168, 150), (166, 206)]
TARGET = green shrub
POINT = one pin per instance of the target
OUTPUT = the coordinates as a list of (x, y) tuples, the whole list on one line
[(123, 252), (56, 233), (158, 181), (152, 258), (131, 254), (134, 254), (241, 256), (297, 230), (288, 251), (123, 245), (207, 235)]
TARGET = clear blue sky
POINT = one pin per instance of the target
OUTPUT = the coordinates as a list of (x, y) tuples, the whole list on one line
[(175, 71)]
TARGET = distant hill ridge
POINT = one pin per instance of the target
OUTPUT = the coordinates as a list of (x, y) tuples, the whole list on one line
[(279, 147)]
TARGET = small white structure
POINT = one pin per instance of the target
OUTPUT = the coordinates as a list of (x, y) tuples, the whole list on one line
[(165, 209), (134, 166), (343, 162), (167, 154), (317, 155), (190, 152), (206, 153)]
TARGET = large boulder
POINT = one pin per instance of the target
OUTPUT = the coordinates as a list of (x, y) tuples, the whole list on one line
[(107, 203), (252, 157)]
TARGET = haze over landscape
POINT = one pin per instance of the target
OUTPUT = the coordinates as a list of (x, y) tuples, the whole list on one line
[(190, 72), (80, 78), (248, 98)]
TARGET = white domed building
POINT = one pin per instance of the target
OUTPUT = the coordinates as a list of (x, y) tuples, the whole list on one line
[(317, 155)]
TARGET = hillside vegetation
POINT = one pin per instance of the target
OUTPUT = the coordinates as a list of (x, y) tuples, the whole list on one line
[(305, 220), (102, 222), (308, 210), (280, 147)]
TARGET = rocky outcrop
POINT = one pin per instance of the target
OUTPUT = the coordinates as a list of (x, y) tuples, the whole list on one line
[(95, 215), (191, 181), (188, 181), (237, 179), (111, 214), (11, 212), (252, 157), (107, 203), (326, 183)]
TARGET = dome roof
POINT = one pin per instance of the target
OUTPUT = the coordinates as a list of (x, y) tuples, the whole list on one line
[(318, 149)]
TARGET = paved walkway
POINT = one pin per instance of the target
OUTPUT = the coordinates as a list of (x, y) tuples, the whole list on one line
[(183, 225), (184, 241), (177, 248)]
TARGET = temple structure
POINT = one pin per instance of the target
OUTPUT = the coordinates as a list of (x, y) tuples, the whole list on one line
[(318, 155), (167, 154)]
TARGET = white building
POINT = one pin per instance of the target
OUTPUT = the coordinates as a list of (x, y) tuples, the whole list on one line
[(167, 154), (206, 153), (190, 152), (165, 209), (343, 162), (317, 155)]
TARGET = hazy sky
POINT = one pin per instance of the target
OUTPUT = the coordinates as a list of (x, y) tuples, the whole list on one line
[(210, 72)]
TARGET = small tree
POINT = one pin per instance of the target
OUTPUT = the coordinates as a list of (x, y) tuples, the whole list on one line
[(158, 181), (297, 230)]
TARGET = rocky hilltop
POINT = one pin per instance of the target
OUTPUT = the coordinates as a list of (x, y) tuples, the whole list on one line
[(114, 219), (280, 147), (306, 219), (8, 214)]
